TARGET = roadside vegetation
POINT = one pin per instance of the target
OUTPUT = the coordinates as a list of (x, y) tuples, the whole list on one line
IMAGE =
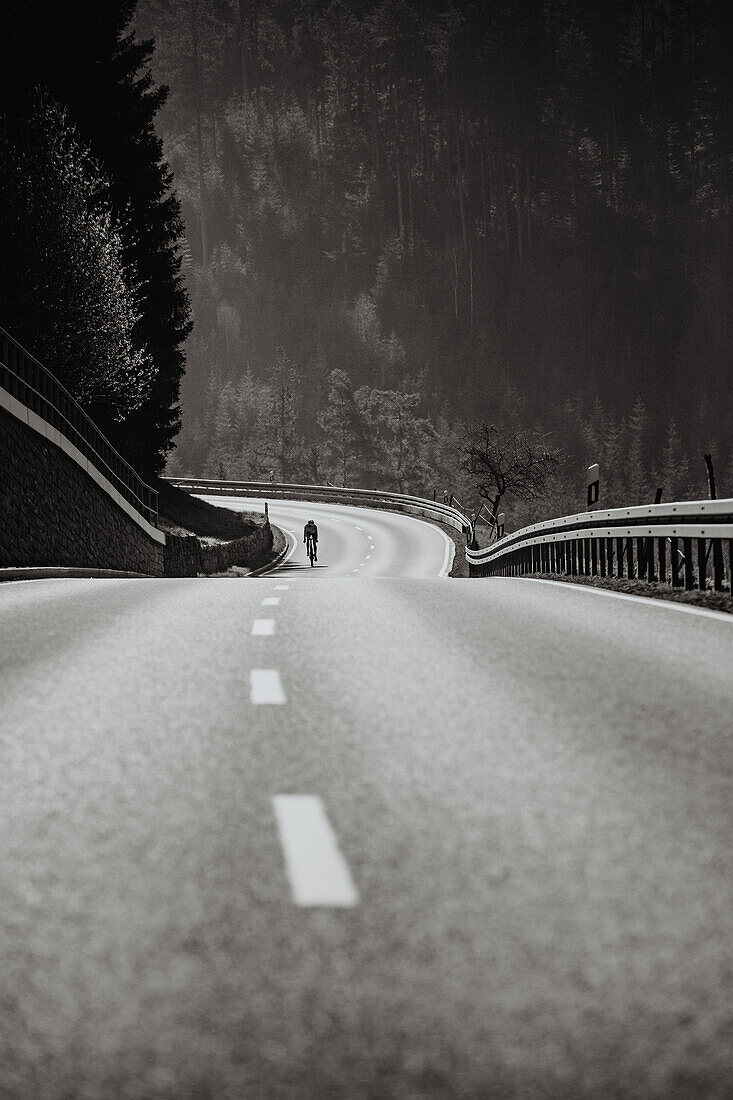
[(181, 513), (90, 279), (713, 601), (403, 218)]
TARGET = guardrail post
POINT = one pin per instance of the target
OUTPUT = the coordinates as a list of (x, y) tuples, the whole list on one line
[(674, 562), (641, 562), (689, 574), (662, 555), (717, 565), (651, 565), (702, 565)]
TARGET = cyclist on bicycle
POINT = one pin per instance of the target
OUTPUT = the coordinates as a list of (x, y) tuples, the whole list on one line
[(310, 534)]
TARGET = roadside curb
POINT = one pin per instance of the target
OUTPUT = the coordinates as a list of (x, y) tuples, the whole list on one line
[(49, 572), (270, 565)]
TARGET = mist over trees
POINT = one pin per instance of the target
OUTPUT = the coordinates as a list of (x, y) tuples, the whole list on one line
[(519, 211), (86, 61)]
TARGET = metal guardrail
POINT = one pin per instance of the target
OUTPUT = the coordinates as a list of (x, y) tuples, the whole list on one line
[(34, 387), (329, 494), (686, 543)]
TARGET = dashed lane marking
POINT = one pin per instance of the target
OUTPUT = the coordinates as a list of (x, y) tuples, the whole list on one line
[(359, 528), (271, 601), (317, 872), (263, 626), (367, 557), (265, 687)]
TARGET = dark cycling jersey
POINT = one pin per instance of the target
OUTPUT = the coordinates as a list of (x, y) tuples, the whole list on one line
[(310, 531)]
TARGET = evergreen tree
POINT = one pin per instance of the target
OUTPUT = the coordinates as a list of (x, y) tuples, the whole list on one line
[(64, 288), (93, 65), (675, 467), (399, 438), (346, 438), (281, 424), (637, 480)]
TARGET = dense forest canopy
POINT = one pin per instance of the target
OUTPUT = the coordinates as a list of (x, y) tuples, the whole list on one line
[(403, 217), (519, 210)]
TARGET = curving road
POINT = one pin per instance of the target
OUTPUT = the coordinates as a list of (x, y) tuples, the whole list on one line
[(355, 541), (401, 838)]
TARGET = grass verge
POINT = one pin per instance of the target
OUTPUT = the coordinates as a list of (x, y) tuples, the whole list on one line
[(182, 514), (713, 601)]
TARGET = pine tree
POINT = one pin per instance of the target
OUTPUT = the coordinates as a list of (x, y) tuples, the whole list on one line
[(96, 68), (674, 471), (346, 437), (399, 438), (65, 291), (637, 483), (281, 424)]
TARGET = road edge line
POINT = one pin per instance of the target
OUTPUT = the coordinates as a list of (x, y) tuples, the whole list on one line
[(648, 601)]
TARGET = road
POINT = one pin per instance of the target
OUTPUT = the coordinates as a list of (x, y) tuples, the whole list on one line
[(364, 542), (404, 837)]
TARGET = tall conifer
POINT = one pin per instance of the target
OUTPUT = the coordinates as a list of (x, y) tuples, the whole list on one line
[(87, 59)]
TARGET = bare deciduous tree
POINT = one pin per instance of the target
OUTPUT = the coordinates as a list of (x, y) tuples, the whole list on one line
[(506, 461)]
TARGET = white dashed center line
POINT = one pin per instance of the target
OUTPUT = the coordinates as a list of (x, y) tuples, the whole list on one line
[(368, 557), (271, 601), (263, 626), (317, 872), (359, 528), (265, 687)]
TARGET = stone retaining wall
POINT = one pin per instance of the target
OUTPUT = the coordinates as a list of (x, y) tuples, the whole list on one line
[(53, 513), (185, 556)]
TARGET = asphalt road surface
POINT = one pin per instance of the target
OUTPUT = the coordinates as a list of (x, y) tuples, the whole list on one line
[(406, 837), (354, 541)]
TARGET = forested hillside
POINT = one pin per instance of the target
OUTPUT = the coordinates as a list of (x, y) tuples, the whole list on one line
[(405, 215)]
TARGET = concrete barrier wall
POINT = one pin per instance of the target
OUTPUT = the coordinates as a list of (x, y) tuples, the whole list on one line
[(53, 513)]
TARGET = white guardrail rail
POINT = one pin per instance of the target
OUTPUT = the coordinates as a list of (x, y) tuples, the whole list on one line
[(36, 397), (329, 494), (688, 544)]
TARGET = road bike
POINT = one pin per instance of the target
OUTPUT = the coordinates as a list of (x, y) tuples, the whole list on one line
[(310, 546)]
